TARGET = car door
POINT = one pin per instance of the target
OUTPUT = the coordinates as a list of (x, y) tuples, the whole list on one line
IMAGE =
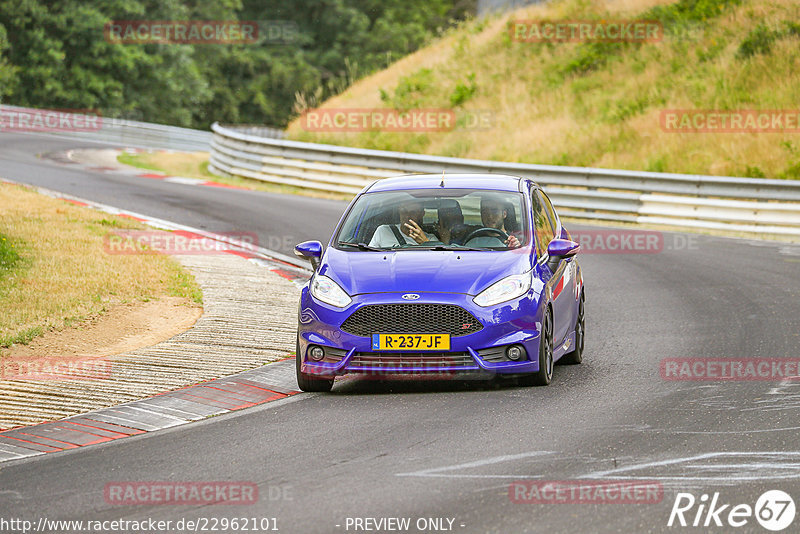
[(563, 281)]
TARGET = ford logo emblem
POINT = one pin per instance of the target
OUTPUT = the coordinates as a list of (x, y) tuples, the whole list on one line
[(410, 296)]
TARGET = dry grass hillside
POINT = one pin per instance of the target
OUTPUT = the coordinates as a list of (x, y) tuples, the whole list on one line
[(599, 104)]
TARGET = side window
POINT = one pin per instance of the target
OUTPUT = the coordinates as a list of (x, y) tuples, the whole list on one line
[(544, 230), (551, 213)]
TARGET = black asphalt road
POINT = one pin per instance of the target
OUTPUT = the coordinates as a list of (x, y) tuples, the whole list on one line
[(427, 450)]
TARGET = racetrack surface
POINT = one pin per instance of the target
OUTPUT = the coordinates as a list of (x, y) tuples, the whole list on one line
[(451, 449), (277, 219)]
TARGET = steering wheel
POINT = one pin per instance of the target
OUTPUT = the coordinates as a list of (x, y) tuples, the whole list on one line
[(486, 230)]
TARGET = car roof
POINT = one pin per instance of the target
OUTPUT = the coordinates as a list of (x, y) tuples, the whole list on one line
[(499, 182)]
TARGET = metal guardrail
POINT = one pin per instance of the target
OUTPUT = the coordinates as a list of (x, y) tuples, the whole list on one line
[(261, 131), (120, 132), (749, 205)]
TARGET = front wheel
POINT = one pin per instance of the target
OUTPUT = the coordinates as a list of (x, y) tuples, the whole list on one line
[(576, 356), (545, 373), (308, 382)]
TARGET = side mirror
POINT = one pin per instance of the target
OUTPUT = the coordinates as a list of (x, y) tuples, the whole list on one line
[(563, 248), (311, 250)]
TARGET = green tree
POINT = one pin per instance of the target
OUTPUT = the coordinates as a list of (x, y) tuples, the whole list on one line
[(53, 53)]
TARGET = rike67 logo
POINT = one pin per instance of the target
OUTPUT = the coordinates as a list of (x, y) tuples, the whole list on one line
[(774, 510)]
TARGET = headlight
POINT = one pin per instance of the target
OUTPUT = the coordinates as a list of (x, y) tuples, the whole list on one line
[(508, 288), (329, 292)]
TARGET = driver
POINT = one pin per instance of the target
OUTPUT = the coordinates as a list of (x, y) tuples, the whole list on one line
[(494, 215), (408, 232)]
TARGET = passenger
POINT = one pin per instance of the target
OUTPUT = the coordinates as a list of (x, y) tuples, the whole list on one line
[(408, 232), (495, 215), (450, 226)]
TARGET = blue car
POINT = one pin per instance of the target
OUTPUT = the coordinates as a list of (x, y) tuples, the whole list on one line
[(442, 275)]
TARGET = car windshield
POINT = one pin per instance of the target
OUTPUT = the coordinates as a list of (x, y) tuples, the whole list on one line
[(439, 219)]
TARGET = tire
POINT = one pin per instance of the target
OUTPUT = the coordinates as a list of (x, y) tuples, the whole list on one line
[(308, 382), (576, 356), (545, 373)]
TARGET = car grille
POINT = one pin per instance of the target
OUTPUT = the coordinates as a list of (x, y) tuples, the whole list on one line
[(409, 360), (411, 319)]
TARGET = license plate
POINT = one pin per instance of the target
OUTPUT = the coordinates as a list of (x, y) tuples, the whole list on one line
[(438, 342)]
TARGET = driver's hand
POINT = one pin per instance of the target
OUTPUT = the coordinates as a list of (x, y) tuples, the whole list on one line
[(415, 232), (512, 242)]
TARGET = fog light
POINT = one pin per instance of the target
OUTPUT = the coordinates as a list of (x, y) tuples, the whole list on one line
[(515, 353), (316, 353)]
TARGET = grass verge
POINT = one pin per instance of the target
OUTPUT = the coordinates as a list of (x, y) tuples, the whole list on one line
[(54, 270)]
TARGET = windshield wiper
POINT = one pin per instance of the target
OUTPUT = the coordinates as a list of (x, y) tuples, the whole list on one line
[(450, 247), (360, 246)]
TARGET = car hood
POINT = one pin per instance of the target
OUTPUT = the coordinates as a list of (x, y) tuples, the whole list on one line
[(467, 272)]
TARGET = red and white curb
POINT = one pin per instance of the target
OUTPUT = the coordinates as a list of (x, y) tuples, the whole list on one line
[(67, 157), (270, 383), (280, 264)]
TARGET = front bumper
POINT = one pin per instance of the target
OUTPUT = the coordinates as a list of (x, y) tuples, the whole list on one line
[(483, 352)]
